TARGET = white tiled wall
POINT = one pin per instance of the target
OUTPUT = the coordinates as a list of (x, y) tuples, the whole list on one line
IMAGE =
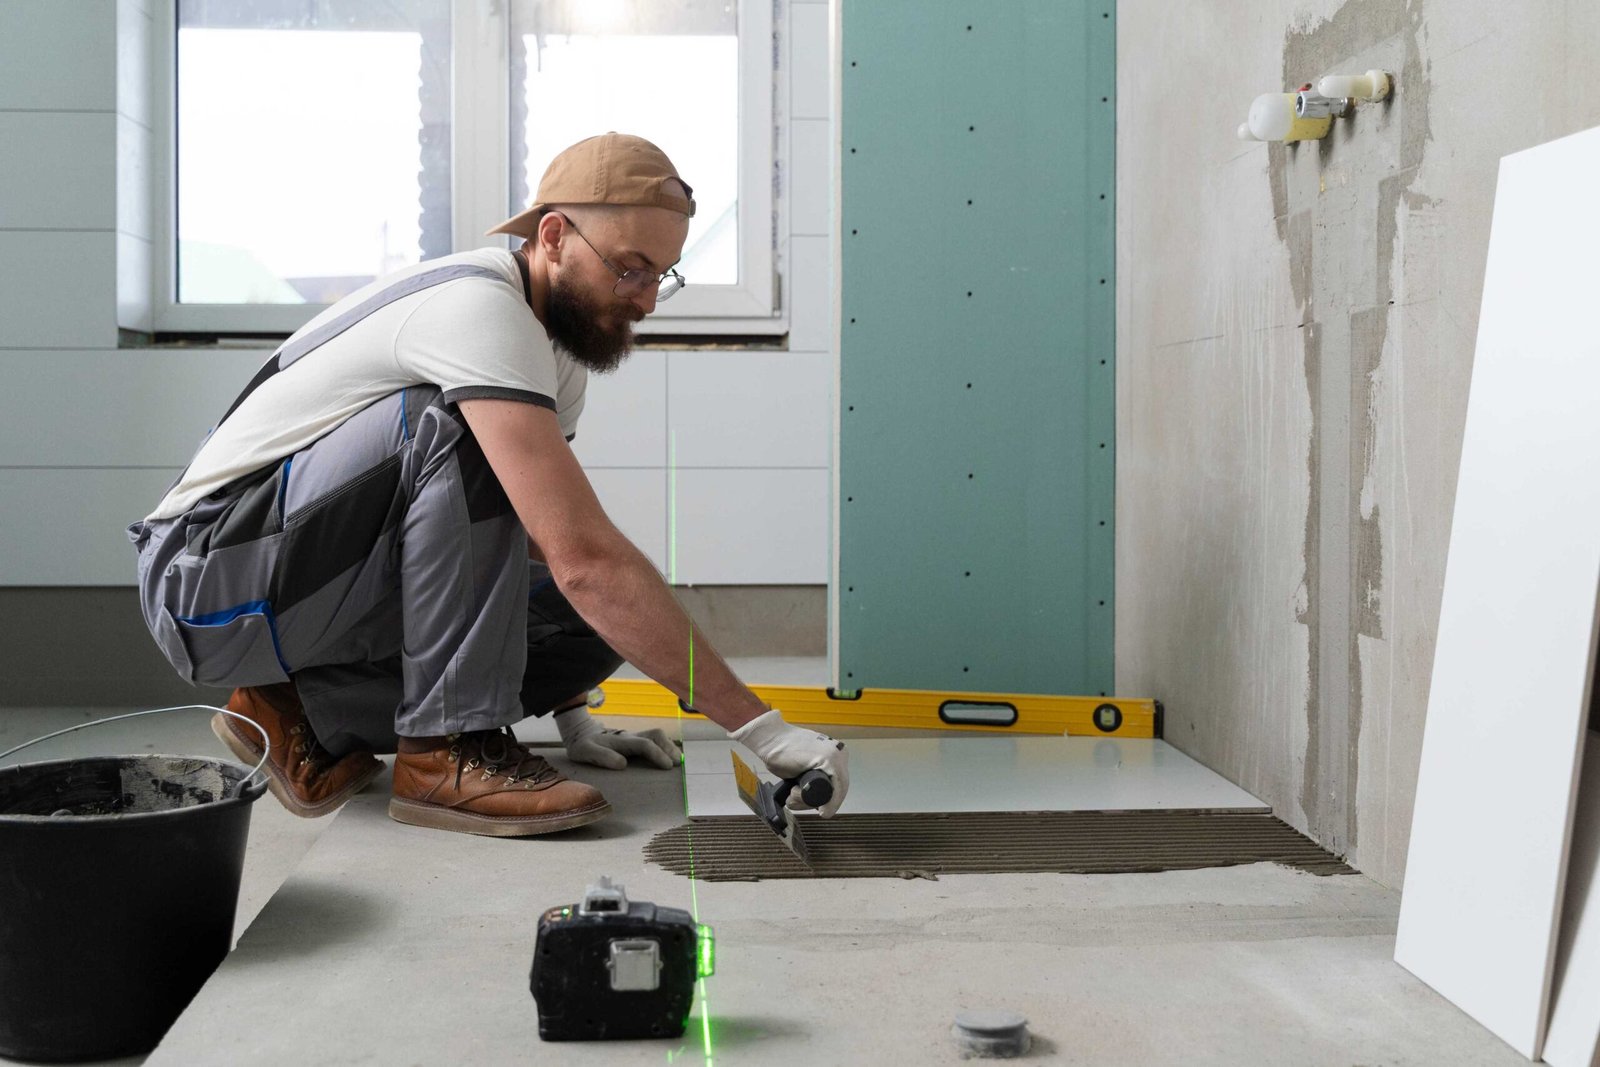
[(104, 408), (636, 500), (65, 526), (58, 289), (714, 463), (57, 169), (753, 526), (58, 56)]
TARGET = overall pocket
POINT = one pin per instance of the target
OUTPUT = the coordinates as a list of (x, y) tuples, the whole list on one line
[(233, 648)]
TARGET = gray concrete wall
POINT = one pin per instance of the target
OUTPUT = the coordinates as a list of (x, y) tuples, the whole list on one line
[(1296, 327)]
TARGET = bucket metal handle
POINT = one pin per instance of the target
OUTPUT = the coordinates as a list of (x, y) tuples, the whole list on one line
[(250, 788)]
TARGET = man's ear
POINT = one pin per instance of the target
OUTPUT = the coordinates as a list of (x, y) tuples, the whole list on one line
[(548, 236)]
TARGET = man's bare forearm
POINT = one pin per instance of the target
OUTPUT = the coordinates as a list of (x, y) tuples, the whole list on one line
[(628, 603)]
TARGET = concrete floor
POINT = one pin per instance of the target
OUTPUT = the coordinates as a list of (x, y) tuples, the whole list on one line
[(390, 943)]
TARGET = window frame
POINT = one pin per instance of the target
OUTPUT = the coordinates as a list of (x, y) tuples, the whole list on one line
[(480, 190)]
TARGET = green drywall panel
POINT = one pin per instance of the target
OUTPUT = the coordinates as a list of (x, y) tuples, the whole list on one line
[(976, 449)]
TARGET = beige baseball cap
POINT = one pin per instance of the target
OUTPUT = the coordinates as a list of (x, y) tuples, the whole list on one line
[(613, 168)]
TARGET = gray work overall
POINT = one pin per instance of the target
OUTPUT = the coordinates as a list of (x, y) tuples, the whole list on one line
[(382, 568)]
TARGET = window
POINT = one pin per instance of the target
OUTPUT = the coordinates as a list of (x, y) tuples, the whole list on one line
[(305, 157), (319, 145)]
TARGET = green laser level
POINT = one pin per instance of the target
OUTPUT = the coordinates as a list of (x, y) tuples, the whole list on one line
[(611, 968)]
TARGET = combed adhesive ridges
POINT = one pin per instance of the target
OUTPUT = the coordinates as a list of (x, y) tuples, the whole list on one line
[(732, 848)]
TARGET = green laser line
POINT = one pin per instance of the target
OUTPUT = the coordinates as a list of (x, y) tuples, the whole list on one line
[(694, 905), (694, 886), (672, 510), (705, 1019), (672, 578)]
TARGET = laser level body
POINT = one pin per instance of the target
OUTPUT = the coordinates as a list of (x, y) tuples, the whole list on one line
[(609, 968)]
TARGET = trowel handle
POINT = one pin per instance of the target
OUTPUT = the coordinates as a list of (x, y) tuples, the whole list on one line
[(816, 788)]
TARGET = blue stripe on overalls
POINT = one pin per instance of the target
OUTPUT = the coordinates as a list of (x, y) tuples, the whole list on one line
[(227, 615)]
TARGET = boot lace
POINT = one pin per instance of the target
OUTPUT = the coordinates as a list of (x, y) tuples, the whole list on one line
[(313, 757), (498, 752)]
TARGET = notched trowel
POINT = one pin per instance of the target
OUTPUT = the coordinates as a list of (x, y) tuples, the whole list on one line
[(769, 800)]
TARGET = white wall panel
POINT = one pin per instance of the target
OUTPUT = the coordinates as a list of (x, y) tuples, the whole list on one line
[(67, 527), (636, 501), (135, 284), (116, 407), (756, 527), (810, 175), (810, 294), (135, 79), (57, 169), (134, 196), (59, 54), (59, 290), (624, 420), (750, 409), (808, 61)]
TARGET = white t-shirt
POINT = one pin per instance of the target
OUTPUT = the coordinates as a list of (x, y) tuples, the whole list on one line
[(472, 337)]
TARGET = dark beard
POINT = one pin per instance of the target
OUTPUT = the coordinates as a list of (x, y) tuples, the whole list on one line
[(574, 324)]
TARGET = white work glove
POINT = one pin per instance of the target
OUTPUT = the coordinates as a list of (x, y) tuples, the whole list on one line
[(589, 742), (790, 751)]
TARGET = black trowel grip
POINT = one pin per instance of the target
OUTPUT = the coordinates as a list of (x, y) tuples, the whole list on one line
[(816, 789)]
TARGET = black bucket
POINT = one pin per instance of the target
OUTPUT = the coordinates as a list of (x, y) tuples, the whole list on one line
[(119, 880)]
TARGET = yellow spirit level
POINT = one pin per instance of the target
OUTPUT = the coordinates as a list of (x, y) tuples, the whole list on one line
[(914, 709)]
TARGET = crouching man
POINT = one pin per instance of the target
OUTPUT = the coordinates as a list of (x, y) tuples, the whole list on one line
[(386, 543)]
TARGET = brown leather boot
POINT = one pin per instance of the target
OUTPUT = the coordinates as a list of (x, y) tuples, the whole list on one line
[(302, 774), (486, 782)]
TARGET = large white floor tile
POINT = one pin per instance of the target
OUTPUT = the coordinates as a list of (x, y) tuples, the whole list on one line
[(1516, 620), (986, 773)]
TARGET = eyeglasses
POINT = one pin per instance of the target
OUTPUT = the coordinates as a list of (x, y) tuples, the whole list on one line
[(631, 283)]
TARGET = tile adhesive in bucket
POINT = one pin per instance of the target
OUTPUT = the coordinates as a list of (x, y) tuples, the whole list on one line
[(122, 786), (121, 881), (723, 849)]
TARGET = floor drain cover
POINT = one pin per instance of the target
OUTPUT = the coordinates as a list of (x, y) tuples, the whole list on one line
[(991, 1034)]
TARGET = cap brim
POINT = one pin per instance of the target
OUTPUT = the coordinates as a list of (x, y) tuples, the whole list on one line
[(523, 225)]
